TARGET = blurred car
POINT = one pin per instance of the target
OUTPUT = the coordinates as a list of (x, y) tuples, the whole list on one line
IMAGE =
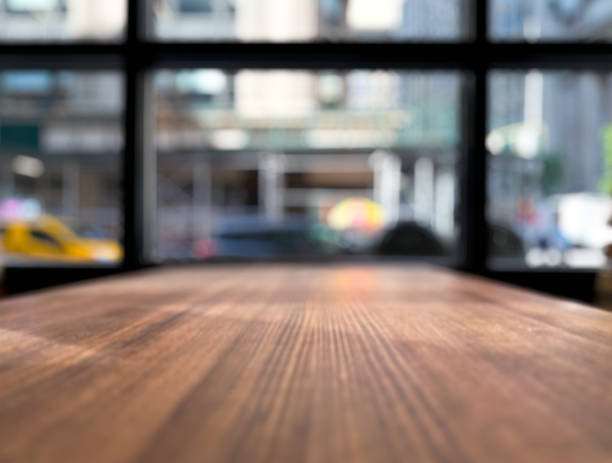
[(410, 239), (504, 242), (256, 239), (49, 238)]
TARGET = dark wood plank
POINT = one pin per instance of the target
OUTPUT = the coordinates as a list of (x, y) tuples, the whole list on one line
[(303, 363)]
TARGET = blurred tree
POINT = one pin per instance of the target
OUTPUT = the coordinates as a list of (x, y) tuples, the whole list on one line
[(552, 173), (605, 183)]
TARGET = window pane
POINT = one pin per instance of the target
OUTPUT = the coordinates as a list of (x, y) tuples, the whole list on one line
[(550, 139), (60, 141), (54, 20), (535, 20), (275, 164), (300, 20)]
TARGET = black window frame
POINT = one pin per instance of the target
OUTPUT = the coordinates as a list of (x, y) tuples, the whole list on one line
[(138, 54)]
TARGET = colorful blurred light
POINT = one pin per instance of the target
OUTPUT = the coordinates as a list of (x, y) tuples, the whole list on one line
[(355, 213)]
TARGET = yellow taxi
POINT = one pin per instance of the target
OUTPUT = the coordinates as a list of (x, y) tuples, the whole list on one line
[(49, 238)]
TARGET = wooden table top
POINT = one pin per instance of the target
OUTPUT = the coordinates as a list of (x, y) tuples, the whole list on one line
[(288, 363)]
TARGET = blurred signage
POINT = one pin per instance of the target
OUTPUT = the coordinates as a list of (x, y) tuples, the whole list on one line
[(81, 137), (19, 136)]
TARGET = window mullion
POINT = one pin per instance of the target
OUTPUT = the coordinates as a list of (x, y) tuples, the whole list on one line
[(139, 157)]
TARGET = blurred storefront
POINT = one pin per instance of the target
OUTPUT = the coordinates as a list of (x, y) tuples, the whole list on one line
[(232, 147)]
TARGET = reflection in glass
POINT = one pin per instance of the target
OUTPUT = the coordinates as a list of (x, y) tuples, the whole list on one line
[(534, 20), (299, 20), (550, 168), (269, 164), (54, 20), (60, 139)]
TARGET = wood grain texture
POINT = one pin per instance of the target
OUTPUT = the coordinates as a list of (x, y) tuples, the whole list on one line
[(290, 363)]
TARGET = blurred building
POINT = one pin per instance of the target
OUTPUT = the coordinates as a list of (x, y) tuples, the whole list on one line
[(259, 142), (551, 19), (62, 19), (294, 20), (60, 140), (561, 113), (546, 129), (231, 145), (60, 132), (437, 19), (265, 140)]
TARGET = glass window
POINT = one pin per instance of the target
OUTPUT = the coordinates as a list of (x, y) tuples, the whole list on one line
[(535, 20), (53, 20), (60, 141), (550, 168), (301, 20), (275, 163)]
